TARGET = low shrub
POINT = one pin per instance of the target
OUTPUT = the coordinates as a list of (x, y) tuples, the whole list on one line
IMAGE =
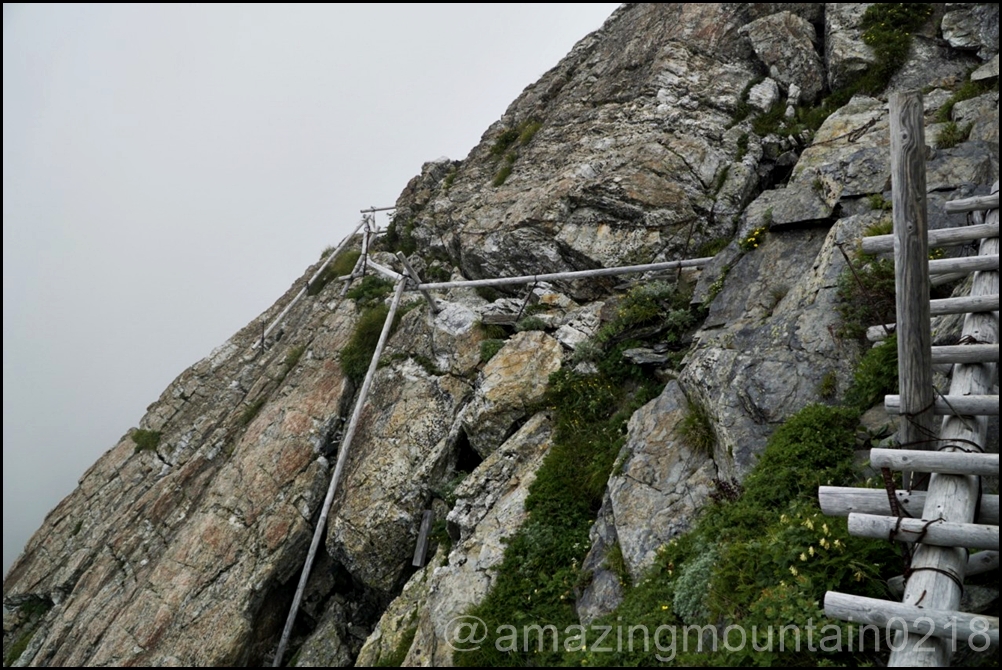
[(357, 354), (370, 291), (146, 440), (866, 295), (488, 348)]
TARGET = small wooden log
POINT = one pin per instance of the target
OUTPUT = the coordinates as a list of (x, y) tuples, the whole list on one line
[(935, 532), (424, 535), (977, 564), (385, 271), (953, 405), (964, 305), (943, 462), (944, 237), (943, 624), (843, 501), (974, 204), (968, 354), (964, 264), (576, 274)]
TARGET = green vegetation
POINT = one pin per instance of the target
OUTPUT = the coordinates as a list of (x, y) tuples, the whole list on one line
[(146, 440), (828, 386), (487, 293), (536, 579), (865, 295), (952, 134), (762, 557), (721, 179), (712, 247), (616, 564), (887, 28), (742, 147), (508, 144), (875, 376), (437, 272), (252, 410), (293, 355), (370, 291), (883, 227), (488, 348), (450, 177), (492, 331), (969, 89), (505, 171), (32, 611), (339, 267), (696, 428), (877, 201), (400, 234), (356, 355), (541, 566), (755, 237), (530, 323), (396, 659)]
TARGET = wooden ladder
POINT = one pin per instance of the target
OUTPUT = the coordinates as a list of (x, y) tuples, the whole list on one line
[(952, 516)]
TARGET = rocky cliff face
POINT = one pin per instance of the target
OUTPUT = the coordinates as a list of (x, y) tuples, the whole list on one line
[(648, 142)]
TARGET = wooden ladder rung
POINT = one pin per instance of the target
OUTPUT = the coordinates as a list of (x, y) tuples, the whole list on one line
[(935, 532), (966, 354), (944, 237), (964, 305), (843, 501), (943, 462), (976, 204), (945, 624), (953, 405), (965, 264)]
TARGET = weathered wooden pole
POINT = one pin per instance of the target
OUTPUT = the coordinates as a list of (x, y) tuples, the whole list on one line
[(342, 458), (572, 274), (911, 269)]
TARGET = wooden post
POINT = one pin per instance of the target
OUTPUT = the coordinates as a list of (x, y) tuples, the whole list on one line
[(424, 535), (342, 458), (938, 572), (911, 268), (945, 237)]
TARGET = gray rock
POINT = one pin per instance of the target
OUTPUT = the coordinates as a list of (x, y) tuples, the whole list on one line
[(784, 42), (401, 449), (764, 95), (663, 482), (850, 155), (989, 70), (769, 339), (974, 27), (845, 52), (513, 379), (782, 207)]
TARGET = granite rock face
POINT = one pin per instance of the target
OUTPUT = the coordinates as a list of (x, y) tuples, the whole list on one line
[(641, 145)]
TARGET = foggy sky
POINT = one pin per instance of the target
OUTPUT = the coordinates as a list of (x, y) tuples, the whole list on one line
[(169, 171)]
